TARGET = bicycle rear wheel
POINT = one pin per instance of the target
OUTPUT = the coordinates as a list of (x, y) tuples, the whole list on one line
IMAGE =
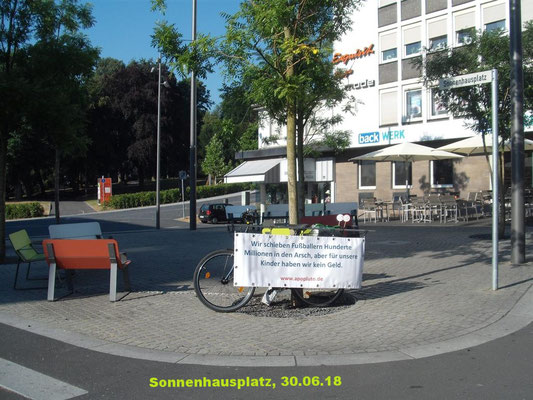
[(213, 283), (318, 297)]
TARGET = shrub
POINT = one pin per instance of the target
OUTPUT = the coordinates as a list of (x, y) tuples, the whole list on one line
[(141, 199), (24, 210)]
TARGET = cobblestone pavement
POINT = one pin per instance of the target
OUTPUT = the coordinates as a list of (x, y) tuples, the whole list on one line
[(422, 284)]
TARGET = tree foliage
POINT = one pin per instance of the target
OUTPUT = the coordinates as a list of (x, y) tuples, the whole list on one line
[(34, 34), (283, 49), (214, 162), (125, 108), (486, 51)]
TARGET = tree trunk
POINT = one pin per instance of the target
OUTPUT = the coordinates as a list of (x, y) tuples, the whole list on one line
[(18, 190), (291, 144), (291, 155), (301, 171), (3, 164), (56, 186), (40, 182)]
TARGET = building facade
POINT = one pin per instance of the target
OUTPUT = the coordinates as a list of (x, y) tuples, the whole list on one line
[(394, 106)]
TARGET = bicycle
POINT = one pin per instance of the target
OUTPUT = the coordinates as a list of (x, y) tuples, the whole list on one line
[(213, 280)]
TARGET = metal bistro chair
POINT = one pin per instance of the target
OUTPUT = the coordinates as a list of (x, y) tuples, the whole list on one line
[(369, 208), (27, 254), (420, 211), (450, 207), (434, 208), (404, 209)]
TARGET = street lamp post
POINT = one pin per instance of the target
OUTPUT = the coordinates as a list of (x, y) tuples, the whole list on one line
[(192, 174), (158, 151)]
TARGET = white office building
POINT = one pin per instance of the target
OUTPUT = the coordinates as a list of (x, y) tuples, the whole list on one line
[(394, 106)]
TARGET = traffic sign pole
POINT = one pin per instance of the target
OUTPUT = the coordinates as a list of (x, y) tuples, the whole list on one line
[(479, 78)]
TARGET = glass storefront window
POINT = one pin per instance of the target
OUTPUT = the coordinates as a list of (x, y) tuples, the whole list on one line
[(367, 174), (398, 174), (442, 173)]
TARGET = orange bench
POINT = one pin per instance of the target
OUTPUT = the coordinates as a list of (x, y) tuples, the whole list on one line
[(71, 254)]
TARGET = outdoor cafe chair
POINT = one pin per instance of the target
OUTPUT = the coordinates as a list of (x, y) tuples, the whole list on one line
[(450, 207), (435, 208), (420, 211), (26, 254), (405, 209), (369, 208)]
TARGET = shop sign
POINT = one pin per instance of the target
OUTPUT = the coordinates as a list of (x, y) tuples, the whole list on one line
[(344, 58), (378, 137), (365, 84), (298, 261)]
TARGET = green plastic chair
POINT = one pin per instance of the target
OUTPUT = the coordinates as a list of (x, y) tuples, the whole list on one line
[(27, 254)]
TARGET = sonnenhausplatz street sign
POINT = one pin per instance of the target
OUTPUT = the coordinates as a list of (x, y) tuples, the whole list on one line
[(477, 78)]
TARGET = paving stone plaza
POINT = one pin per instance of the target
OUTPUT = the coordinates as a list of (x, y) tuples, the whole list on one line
[(424, 286)]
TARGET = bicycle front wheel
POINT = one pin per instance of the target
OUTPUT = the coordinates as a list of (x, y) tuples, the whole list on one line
[(318, 297), (213, 283)]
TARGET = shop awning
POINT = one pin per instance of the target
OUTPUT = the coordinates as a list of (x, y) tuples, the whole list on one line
[(255, 171)]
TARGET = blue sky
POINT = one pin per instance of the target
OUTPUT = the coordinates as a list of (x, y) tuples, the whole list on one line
[(123, 27)]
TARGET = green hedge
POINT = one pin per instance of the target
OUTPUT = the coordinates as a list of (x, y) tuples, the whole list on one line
[(24, 210), (142, 199)]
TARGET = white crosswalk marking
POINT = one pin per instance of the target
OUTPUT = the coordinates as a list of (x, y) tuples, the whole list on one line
[(33, 384)]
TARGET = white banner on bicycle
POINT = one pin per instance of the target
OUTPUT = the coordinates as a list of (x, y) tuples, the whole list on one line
[(298, 261)]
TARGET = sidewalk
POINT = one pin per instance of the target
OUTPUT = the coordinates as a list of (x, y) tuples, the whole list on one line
[(426, 290)]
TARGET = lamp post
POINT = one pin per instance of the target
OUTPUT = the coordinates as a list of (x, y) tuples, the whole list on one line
[(158, 151), (192, 174)]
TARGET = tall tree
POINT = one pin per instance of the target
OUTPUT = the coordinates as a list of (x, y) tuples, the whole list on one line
[(24, 23), (131, 93), (278, 45), (61, 63), (484, 51), (214, 163), (267, 43)]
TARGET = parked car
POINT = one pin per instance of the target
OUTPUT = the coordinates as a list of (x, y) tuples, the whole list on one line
[(213, 213)]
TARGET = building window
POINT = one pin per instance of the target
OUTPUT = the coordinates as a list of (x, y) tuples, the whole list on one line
[(494, 26), (388, 105), (465, 36), (437, 32), (465, 26), (412, 40), (438, 105), (367, 174), (388, 46), (389, 55), (413, 48), (438, 43), (398, 175), (442, 173), (413, 104), (494, 16)]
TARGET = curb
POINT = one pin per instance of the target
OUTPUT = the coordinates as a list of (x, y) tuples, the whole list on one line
[(518, 317)]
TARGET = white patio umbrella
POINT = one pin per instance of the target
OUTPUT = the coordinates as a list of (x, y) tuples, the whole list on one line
[(474, 145), (407, 152)]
